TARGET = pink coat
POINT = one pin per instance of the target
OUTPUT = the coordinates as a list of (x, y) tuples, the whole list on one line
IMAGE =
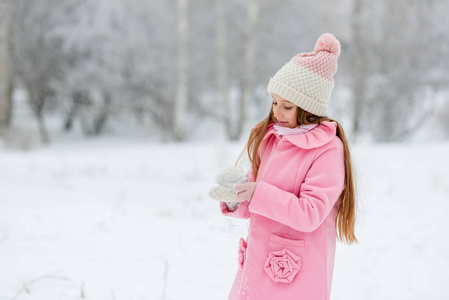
[(290, 248)]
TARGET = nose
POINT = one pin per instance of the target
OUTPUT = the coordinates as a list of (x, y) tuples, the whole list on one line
[(277, 113)]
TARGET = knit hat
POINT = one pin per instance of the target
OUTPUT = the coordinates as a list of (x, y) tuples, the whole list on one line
[(307, 79)]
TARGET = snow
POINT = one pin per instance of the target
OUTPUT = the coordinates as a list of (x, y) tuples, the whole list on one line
[(128, 219)]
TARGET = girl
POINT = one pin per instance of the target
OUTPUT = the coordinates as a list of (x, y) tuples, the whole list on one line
[(300, 195)]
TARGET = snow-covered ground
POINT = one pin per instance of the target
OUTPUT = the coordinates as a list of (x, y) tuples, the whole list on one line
[(128, 220)]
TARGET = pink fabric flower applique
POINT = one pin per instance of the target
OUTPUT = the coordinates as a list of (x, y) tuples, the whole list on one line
[(282, 266), (242, 252)]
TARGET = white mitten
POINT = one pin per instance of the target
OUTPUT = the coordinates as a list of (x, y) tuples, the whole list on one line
[(227, 179), (223, 194), (231, 176)]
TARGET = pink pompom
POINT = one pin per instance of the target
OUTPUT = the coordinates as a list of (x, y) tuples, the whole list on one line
[(328, 42)]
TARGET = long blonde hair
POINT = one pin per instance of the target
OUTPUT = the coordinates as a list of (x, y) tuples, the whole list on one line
[(345, 220)]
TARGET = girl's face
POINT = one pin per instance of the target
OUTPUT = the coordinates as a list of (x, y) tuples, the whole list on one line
[(284, 111)]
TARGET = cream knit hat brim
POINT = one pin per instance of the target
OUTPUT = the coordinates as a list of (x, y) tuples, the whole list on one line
[(297, 98)]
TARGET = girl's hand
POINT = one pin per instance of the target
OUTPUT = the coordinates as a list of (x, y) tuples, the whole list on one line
[(245, 191)]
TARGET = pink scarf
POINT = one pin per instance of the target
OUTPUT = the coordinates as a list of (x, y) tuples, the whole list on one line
[(281, 130)]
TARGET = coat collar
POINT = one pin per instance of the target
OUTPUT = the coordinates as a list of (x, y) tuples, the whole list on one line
[(317, 137)]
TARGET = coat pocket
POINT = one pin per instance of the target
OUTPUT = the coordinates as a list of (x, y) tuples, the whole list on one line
[(287, 240), (283, 261)]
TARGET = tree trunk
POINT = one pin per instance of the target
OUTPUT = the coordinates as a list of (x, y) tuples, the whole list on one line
[(248, 72), (100, 120), (359, 72), (183, 56), (36, 101), (222, 71), (5, 73), (42, 129), (77, 99)]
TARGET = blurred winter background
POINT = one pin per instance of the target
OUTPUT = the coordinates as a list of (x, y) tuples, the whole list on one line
[(115, 117)]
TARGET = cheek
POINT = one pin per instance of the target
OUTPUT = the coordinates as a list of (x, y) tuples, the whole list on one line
[(293, 116)]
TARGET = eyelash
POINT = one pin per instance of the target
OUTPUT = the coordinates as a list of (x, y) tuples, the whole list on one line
[(274, 103)]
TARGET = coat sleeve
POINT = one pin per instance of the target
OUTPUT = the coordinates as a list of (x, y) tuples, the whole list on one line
[(242, 210), (318, 193)]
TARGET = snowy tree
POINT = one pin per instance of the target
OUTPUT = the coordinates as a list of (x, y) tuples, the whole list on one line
[(113, 65), (401, 69), (394, 70), (5, 73), (248, 67), (36, 52), (221, 64), (183, 60), (359, 66), (93, 76), (234, 118)]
